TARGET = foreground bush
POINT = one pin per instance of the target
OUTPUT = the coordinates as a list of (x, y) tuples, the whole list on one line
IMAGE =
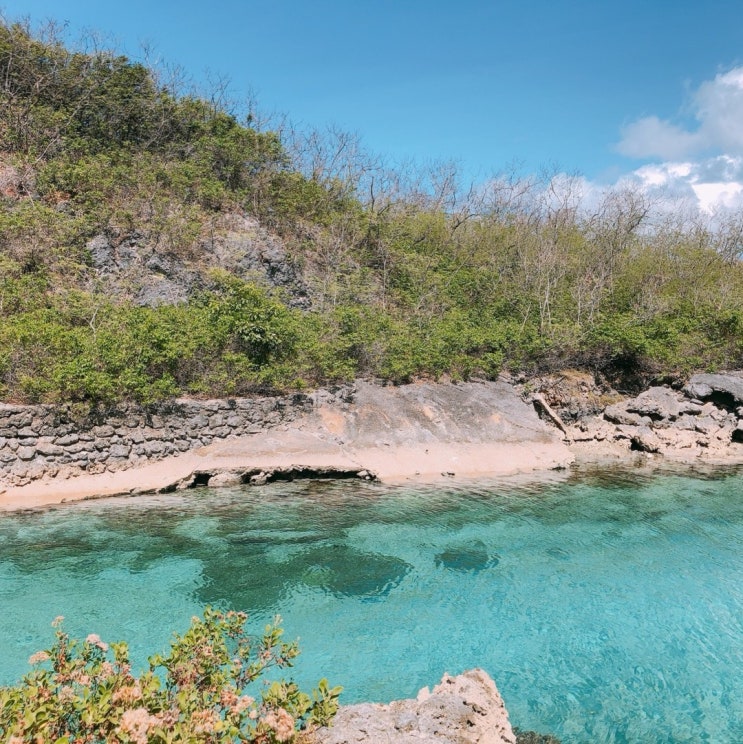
[(203, 691)]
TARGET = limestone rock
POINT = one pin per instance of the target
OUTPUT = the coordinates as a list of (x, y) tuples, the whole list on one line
[(657, 403), (220, 480), (646, 440), (48, 449), (466, 709), (139, 267), (706, 385), (430, 412), (618, 414)]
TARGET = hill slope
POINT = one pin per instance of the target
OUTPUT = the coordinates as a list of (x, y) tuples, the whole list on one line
[(154, 244)]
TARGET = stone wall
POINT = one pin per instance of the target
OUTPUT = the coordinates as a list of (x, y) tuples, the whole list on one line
[(42, 440)]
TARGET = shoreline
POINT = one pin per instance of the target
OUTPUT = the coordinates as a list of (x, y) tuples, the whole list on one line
[(473, 462), (229, 462), (418, 431), (422, 433)]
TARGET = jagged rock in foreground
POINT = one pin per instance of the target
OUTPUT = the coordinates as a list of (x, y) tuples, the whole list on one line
[(466, 709)]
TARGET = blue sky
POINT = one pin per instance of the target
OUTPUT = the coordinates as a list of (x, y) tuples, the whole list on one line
[(607, 89)]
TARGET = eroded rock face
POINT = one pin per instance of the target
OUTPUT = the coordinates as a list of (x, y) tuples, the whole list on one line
[(136, 267), (446, 412), (575, 394), (466, 709), (705, 386), (704, 420)]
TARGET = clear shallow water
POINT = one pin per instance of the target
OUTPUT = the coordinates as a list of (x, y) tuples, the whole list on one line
[(608, 608)]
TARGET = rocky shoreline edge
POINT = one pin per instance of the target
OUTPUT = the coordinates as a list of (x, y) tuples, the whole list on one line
[(418, 432), (466, 709), (699, 421)]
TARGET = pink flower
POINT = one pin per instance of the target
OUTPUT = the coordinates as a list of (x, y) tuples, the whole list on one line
[(242, 704), (57, 621), (95, 640), (127, 694), (204, 721), (80, 677), (66, 694), (38, 657), (281, 723), (135, 724), (228, 697)]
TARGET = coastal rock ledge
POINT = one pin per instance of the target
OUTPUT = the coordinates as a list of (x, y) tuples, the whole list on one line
[(701, 421), (466, 709)]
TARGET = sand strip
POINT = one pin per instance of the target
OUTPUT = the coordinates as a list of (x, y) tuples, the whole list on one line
[(303, 451)]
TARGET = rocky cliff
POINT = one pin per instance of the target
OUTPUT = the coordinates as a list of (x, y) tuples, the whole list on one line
[(136, 267)]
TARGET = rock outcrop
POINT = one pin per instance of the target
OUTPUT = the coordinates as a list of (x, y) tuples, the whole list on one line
[(136, 267), (364, 430), (727, 388), (703, 420), (466, 709), (474, 412)]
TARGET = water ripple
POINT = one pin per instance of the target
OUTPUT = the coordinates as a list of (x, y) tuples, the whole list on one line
[(608, 606)]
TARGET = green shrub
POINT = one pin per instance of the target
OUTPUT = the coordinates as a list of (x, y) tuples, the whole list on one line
[(207, 689)]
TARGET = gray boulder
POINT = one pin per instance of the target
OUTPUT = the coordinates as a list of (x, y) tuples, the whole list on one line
[(703, 386), (466, 709), (645, 440), (618, 413), (657, 403)]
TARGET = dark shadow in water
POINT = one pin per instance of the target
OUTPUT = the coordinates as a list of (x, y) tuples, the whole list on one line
[(471, 557), (334, 568), (346, 572), (558, 553), (243, 582)]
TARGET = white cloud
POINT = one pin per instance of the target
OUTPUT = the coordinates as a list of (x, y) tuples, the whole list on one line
[(717, 107), (708, 185), (713, 196), (698, 165), (653, 137)]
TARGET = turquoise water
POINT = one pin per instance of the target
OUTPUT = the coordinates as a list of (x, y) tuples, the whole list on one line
[(608, 607)]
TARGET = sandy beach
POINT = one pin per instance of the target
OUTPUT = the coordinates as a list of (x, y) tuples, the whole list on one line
[(419, 432), (301, 451)]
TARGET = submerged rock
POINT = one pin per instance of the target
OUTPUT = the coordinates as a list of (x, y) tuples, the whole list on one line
[(467, 557), (532, 737)]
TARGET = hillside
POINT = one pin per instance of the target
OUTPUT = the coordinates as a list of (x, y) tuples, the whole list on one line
[(153, 243)]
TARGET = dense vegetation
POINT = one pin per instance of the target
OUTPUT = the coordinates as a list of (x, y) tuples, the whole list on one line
[(409, 275), (210, 688)]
